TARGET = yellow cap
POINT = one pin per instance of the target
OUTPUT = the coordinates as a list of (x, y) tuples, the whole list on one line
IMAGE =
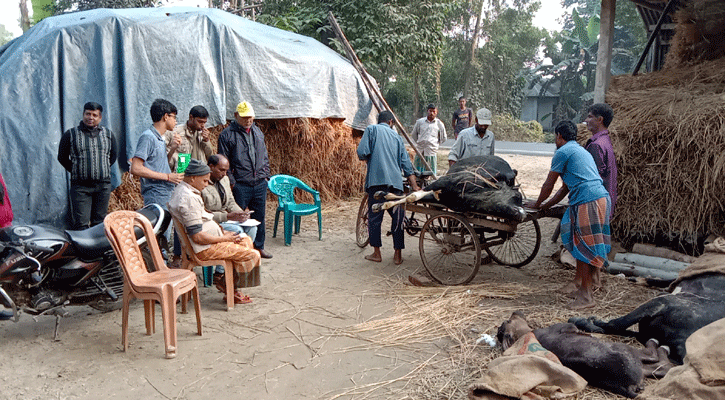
[(245, 109)]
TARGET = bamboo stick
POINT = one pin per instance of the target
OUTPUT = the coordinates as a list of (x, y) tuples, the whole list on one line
[(634, 270), (375, 95), (640, 260)]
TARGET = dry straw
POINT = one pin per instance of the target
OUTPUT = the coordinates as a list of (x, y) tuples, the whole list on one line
[(669, 144), (320, 152)]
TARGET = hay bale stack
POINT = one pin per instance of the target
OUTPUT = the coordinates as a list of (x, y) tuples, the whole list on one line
[(670, 144), (699, 35), (320, 152)]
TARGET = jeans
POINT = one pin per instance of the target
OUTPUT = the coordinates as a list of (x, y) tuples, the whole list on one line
[(375, 219), (89, 204), (162, 199), (251, 231), (253, 197)]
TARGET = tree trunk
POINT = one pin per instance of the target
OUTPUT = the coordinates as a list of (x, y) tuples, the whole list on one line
[(416, 96), (471, 61), (24, 17)]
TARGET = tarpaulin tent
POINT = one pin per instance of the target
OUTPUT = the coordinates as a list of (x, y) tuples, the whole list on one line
[(126, 58)]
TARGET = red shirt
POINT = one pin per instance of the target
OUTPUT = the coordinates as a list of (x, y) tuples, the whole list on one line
[(6, 210)]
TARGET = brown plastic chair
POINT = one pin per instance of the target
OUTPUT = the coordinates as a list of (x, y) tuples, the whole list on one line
[(164, 285), (189, 260)]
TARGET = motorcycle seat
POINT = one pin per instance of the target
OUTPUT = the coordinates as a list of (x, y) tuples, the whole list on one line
[(92, 243)]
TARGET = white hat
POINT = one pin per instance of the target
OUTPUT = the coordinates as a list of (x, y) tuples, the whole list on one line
[(484, 116)]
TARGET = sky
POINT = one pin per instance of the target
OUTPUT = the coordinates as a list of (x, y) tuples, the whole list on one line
[(546, 17)]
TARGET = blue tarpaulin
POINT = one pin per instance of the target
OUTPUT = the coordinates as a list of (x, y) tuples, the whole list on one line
[(126, 58)]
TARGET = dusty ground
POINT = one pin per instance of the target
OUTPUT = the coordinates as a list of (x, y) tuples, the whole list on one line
[(325, 324)]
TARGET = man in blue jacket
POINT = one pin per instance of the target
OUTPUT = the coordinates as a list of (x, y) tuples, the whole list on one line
[(384, 152), (242, 143)]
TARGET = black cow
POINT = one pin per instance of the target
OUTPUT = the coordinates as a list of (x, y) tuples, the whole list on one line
[(611, 366), (482, 184), (670, 318)]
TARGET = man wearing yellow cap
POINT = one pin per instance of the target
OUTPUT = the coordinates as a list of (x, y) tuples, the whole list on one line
[(242, 142)]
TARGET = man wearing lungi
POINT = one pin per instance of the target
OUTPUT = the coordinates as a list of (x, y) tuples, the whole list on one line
[(585, 225), (428, 133), (208, 240)]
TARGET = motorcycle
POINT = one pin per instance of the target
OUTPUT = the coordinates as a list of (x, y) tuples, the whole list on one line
[(43, 269)]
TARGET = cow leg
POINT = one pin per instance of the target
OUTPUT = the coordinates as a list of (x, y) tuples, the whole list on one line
[(618, 326)]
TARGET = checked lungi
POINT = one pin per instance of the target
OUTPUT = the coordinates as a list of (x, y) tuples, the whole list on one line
[(245, 260), (585, 231), (432, 161)]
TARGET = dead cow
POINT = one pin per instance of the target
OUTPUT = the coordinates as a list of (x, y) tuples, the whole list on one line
[(482, 184), (671, 318), (615, 367)]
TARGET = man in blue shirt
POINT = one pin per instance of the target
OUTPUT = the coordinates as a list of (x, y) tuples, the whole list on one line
[(150, 161), (384, 152), (585, 227)]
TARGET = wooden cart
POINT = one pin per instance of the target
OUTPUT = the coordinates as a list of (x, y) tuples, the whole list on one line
[(451, 243)]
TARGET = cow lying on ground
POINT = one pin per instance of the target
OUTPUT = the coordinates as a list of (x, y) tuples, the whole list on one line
[(611, 366), (670, 318), (482, 184)]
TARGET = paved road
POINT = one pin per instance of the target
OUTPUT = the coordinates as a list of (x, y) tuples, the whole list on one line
[(522, 148)]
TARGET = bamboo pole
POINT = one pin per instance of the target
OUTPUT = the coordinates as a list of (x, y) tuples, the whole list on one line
[(634, 270), (663, 264), (373, 91)]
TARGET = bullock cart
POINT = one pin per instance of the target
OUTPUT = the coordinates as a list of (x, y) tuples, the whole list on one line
[(451, 243)]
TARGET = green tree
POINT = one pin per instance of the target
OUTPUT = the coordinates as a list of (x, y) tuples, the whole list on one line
[(62, 6), (5, 35), (394, 38), (42, 9)]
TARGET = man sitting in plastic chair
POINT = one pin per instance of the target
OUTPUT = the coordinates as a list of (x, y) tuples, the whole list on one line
[(208, 240)]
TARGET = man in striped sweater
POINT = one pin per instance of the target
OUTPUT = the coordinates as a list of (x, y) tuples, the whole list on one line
[(87, 152)]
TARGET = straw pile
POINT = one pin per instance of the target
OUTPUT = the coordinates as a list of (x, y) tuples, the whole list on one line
[(669, 144), (322, 153), (699, 35)]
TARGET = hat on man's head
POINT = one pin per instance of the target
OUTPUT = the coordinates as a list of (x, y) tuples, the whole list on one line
[(484, 116), (245, 109), (196, 168)]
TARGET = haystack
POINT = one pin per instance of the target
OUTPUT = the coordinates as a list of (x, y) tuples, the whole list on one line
[(700, 33), (320, 152), (670, 146)]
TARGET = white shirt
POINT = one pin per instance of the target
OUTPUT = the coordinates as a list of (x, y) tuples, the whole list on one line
[(428, 135)]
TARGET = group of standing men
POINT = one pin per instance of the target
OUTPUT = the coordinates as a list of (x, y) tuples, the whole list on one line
[(212, 190), (589, 176), (384, 152)]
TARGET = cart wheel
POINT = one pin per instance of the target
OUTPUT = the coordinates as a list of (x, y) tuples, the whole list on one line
[(449, 249), (411, 225), (518, 248), (361, 224)]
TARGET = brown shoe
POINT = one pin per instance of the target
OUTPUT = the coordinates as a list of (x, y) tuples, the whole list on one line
[(265, 253)]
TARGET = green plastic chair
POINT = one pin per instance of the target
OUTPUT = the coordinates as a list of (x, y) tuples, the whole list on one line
[(283, 186)]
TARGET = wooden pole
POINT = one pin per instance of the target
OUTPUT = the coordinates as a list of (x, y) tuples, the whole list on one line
[(654, 34), (604, 54), (373, 91)]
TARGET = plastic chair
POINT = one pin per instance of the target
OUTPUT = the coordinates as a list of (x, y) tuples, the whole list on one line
[(164, 285), (284, 187), (189, 260)]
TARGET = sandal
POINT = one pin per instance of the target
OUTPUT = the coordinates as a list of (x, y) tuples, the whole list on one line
[(219, 283), (239, 298)]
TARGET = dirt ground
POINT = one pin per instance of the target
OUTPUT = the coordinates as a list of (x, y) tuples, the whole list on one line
[(324, 324)]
